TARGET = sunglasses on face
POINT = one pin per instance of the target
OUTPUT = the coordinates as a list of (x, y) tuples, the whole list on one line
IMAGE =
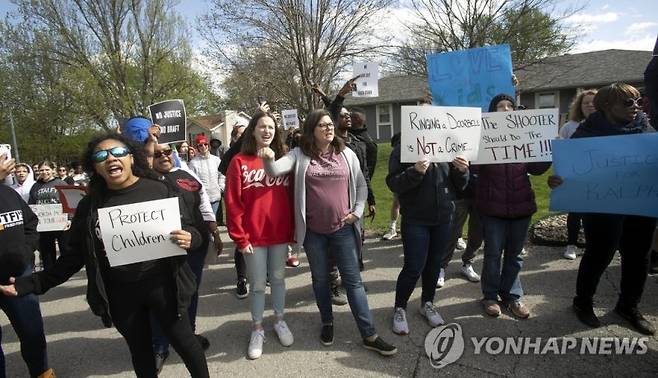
[(167, 152), (633, 101), (102, 155)]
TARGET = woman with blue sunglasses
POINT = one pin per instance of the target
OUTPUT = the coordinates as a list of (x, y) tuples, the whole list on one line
[(125, 295)]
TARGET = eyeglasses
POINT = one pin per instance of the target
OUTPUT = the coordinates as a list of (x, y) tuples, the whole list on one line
[(325, 126), (633, 101), (166, 152), (102, 155)]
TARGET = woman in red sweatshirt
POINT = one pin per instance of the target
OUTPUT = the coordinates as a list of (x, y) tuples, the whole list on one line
[(260, 221)]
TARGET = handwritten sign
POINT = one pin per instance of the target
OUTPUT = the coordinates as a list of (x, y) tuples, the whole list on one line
[(140, 231), (611, 175), (70, 196), (290, 119), (368, 84), (439, 133), (51, 217), (170, 115), (470, 77), (516, 137)]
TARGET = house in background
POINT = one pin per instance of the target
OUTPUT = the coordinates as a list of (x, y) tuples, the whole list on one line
[(553, 82), (214, 125)]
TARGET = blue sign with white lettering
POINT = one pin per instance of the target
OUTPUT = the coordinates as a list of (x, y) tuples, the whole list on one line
[(470, 77), (611, 175)]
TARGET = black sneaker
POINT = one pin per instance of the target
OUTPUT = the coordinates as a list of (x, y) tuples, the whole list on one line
[(585, 313), (327, 334), (205, 343), (337, 296), (634, 316), (160, 359), (241, 289), (380, 346)]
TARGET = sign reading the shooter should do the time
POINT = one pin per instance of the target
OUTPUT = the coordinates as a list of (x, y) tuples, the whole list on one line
[(140, 231)]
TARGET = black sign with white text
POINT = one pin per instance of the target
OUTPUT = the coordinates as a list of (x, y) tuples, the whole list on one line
[(170, 116)]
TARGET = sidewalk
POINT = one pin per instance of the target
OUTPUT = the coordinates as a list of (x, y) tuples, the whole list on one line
[(78, 346)]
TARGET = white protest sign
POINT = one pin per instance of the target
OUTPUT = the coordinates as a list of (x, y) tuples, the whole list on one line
[(367, 85), (522, 136), (290, 119), (439, 133), (51, 217), (140, 231)]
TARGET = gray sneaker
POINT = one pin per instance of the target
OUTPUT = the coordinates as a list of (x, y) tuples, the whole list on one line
[(400, 325), (337, 296)]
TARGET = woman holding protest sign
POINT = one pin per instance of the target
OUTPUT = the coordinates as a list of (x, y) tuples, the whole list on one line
[(125, 295), (505, 201), (330, 194), (260, 221), (581, 107), (43, 192), (426, 192), (618, 113)]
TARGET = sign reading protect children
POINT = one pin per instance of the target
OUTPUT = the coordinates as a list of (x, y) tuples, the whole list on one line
[(140, 231)]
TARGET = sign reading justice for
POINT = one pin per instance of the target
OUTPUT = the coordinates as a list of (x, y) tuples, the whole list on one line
[(140, 231)]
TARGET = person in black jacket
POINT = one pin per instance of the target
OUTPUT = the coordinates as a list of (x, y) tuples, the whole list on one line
[(18, 240), (125, 295), (618, 113), (426, 192)]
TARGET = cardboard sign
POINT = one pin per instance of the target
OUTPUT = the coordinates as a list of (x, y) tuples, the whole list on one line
[(5, 149), (439, 133), (289, 119), (70, 196), (470, 77), (51, 217), (610, 175), (171, 117), (518, 137), (367, 85), (140, 231)]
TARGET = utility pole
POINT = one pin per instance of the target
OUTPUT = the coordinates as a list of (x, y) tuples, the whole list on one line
[(13, 136)]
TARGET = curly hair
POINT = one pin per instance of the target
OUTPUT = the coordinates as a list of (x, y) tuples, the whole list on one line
[(307, 140), (576, 108), (140, 167)]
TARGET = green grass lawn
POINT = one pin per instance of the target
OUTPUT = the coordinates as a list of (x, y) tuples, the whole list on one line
[(384, 196)]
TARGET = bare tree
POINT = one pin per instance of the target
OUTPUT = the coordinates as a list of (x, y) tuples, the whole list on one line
[(533, 29), (317, 38), (127, 53)]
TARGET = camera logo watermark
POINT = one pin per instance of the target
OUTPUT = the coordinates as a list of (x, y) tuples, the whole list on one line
[(445, 345)]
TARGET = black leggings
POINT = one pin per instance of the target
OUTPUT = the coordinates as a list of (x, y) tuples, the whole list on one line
[(47, 248), (573, 227), (130, 305), (603, 233)]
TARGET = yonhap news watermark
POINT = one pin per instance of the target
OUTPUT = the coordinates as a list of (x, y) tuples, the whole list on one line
[(446, 344)]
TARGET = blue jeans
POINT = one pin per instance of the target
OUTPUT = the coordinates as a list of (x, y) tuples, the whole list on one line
[(342, 244), (267, 261), (25, 316), (423, 247), (195, 260), (500, 235)]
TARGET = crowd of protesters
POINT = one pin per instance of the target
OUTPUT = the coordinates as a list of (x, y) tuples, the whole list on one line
[(311, 190)]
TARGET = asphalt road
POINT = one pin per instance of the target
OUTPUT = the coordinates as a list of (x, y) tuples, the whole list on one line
[(78, 345)]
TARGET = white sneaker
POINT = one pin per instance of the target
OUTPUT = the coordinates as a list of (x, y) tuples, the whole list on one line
[(461, 244), (442, 278), (285, 336), (390, 234), (524, 252), (570, 252), (256, 344), (431, 313), (469, 273), (400, 325)]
